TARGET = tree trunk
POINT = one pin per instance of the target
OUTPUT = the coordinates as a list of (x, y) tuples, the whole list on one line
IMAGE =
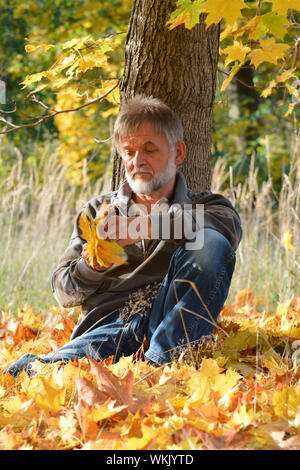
[(179, 67)]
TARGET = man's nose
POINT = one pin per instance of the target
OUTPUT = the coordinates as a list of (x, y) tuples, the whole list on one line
[(138, 158)]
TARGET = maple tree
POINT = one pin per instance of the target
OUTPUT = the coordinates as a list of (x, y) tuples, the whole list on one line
[(259, 34)]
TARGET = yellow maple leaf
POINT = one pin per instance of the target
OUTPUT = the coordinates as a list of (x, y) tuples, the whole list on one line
[(100, 250), (76, 43), (89, 61), (250, 27), (233, 72), (35, 77), (31, 47), (270, 51), (148, 434), (67, 425), (46, 394), (242, 416), (281, 7), (210, 379), (283, 77), (236, 52), (275, 23), (286, 402), (290, 109), (106, 410)]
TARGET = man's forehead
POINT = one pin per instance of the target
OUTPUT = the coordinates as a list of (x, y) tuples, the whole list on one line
[(145, 132), (141, 139)]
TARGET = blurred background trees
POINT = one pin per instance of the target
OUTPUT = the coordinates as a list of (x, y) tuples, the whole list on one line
[(245, 124)]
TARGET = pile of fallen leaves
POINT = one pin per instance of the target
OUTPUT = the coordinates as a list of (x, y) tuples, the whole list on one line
[(239, 390)]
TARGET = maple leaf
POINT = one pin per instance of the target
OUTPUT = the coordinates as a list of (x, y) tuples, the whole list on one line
[(46, 393), (88, 397), (32, 47), (233, 72), (286, 402), (236, 52), (242, 416), (282, 7), (210, 379), (76, 43), (67, 425), (88, 393), (270, 51), (222, 9), (187, 13), (275, 24), (251, 27), (286, 75), (35, 77), (106, 411), (119, 390), (89, 61)]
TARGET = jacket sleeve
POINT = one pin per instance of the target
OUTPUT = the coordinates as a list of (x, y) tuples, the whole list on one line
[(218, 214), (73, 281)]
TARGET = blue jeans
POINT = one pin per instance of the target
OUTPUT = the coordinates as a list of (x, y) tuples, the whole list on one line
[(185, 309)]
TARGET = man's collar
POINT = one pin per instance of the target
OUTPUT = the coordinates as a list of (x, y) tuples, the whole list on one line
[(180, 195)]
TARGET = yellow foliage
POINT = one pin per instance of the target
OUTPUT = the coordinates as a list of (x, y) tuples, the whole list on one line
[(236, 52), (132, 405), (102, 251), (270, 51), (251, 26)]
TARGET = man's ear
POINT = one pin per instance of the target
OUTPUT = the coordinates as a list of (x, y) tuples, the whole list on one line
[(180, 150)]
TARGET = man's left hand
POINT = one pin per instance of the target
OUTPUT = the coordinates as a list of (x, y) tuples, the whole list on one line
[(125, 230)]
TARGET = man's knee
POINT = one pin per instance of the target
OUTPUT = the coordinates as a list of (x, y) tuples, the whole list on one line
[(215, 252)]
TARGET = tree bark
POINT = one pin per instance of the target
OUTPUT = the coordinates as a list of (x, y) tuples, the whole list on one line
[(178, 66)]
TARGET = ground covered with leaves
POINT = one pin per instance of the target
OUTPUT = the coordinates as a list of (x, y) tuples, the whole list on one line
[(238, 391)]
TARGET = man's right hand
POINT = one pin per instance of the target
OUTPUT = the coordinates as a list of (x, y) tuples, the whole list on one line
[(96, 266)]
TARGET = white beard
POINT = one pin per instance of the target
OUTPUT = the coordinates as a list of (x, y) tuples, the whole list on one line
[(148, 187)]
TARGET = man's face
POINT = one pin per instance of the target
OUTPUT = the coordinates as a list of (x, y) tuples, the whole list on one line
[(149, 162)]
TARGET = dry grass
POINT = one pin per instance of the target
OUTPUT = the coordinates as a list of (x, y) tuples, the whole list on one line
[(263, 264), (37, 213)]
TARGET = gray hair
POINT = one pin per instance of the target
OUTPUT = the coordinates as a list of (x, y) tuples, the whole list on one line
[(141, 109)]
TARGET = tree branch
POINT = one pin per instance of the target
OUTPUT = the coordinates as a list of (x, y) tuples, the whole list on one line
[(237, 79), (54, 112)]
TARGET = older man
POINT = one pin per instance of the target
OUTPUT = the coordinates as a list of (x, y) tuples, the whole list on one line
[(168, 291)]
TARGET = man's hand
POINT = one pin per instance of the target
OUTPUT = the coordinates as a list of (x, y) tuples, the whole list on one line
[(125, 230), (96, 266)]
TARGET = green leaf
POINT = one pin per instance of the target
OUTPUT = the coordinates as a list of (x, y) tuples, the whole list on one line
[(187, 13), (276, 24)]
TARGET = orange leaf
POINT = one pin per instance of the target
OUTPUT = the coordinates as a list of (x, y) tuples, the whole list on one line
[(120, 390)]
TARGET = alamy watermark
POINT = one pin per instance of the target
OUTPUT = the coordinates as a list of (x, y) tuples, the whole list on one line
[(2, 92), (184, 222)]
